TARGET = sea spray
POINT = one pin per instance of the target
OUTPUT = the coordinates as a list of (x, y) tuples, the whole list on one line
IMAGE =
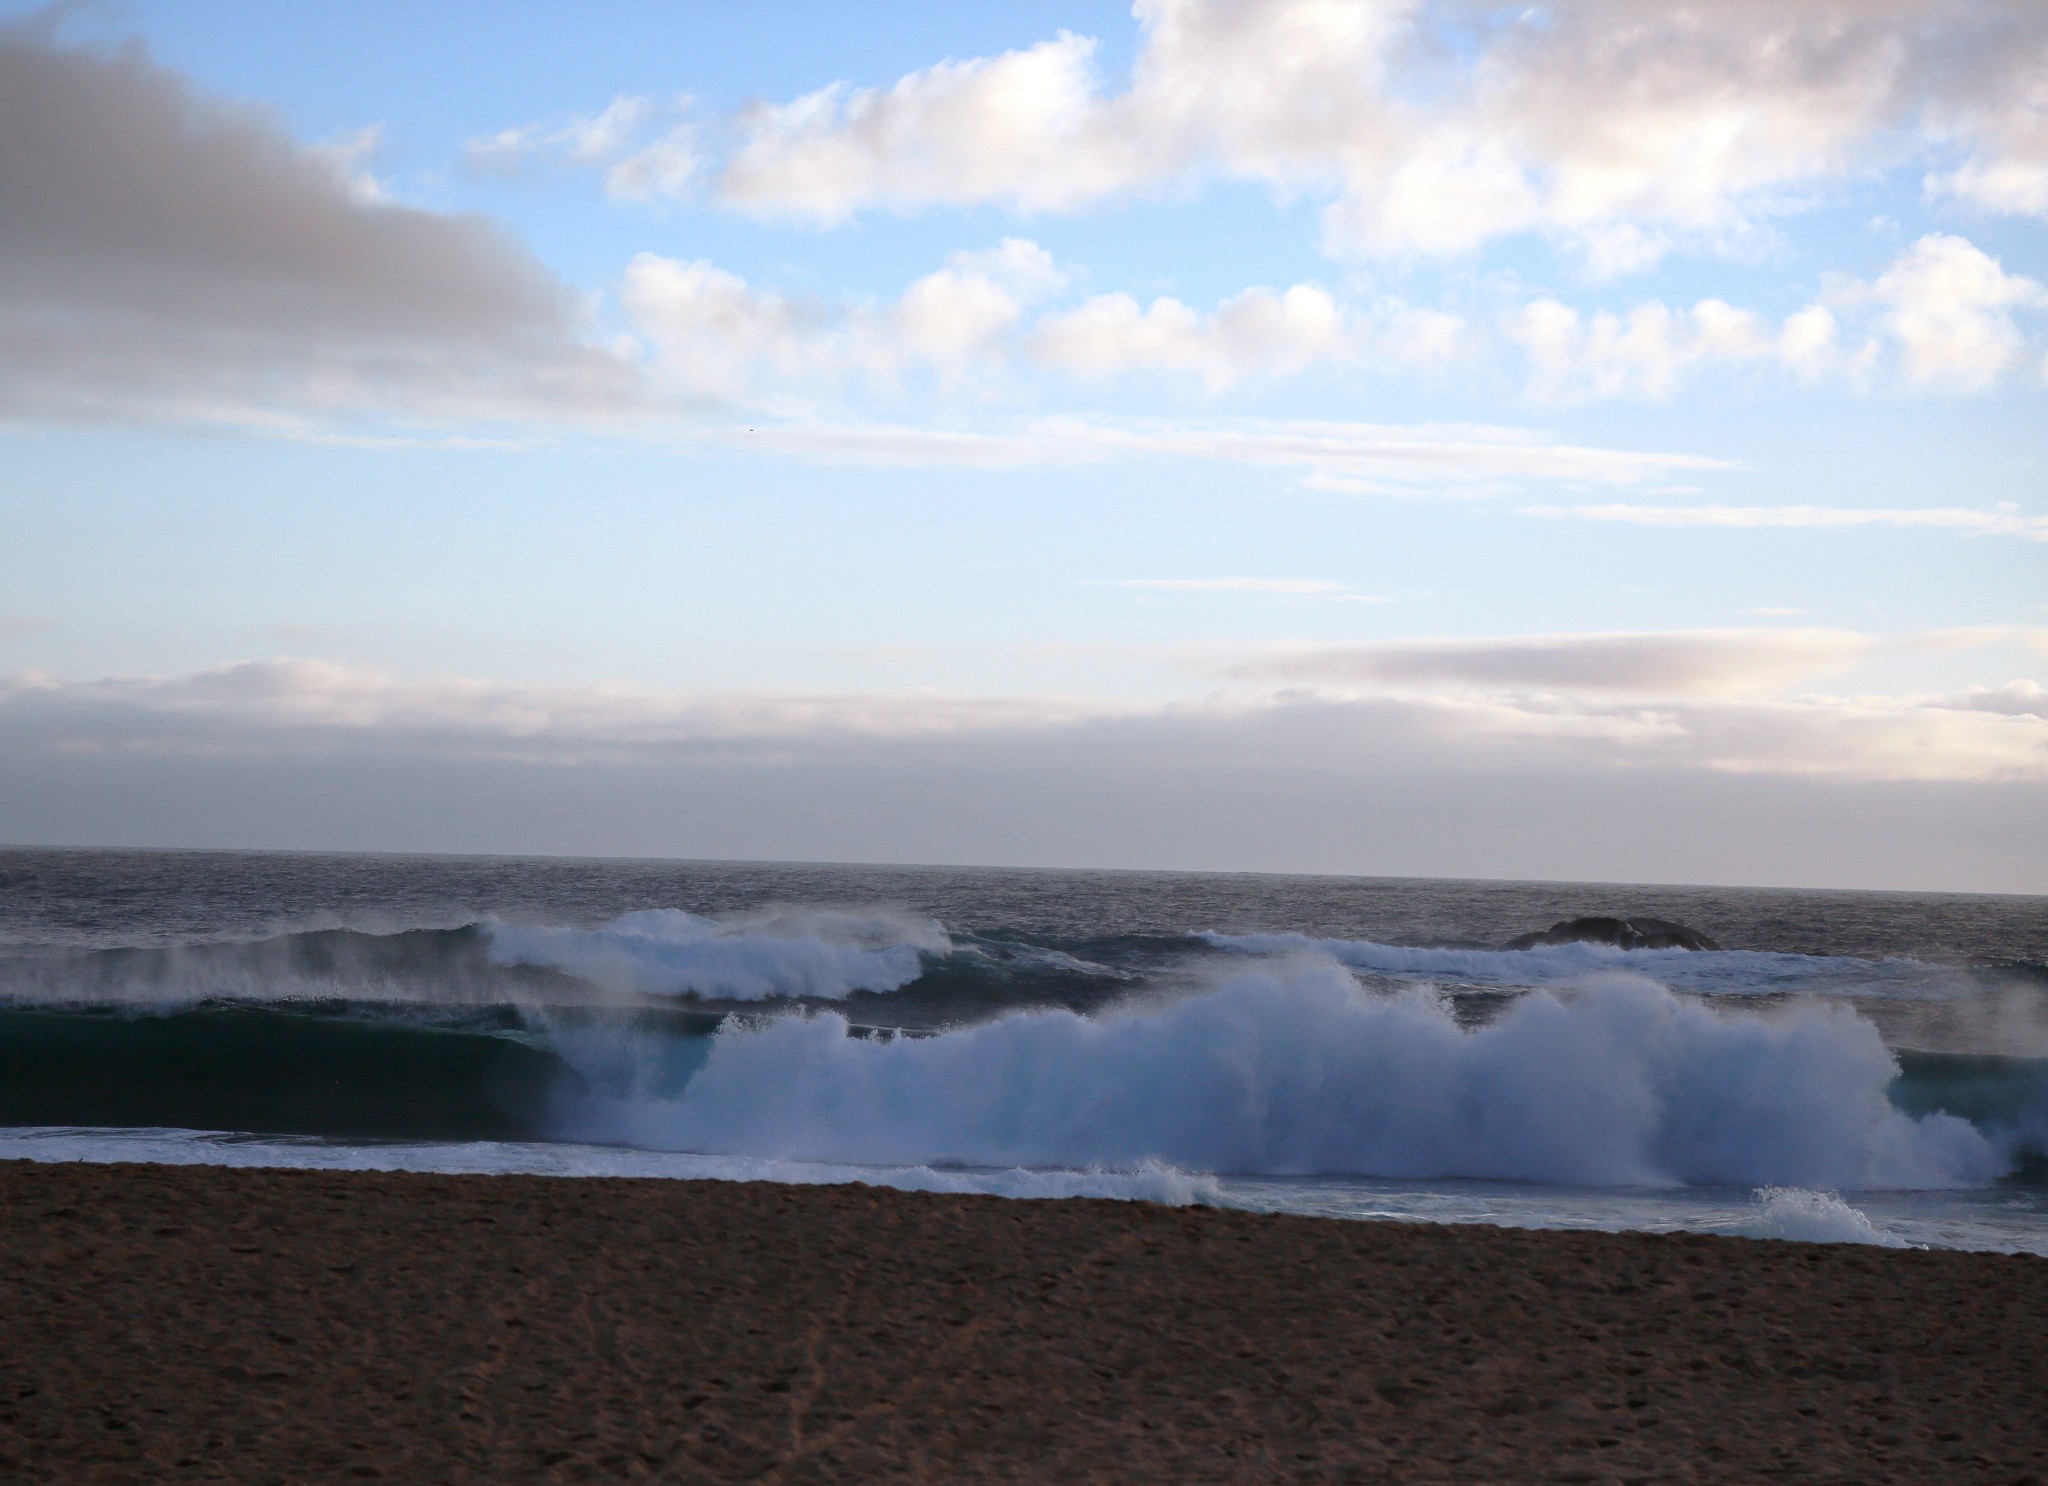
[(1813, 1217), (751, 957), (1289, 1067), (1734, 972)]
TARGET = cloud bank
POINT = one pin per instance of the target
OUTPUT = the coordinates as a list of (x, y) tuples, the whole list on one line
[(1490, 758), (1708, 700)]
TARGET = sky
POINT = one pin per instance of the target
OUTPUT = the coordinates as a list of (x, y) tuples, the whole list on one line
[(1415, 437)]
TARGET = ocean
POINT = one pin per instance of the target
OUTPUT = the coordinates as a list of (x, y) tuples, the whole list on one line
[(1865, 1067)]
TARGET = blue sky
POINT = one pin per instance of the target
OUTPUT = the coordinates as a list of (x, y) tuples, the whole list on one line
[(1347, 388)]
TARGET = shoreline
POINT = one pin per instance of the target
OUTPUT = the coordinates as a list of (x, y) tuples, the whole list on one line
[(199, 1323)]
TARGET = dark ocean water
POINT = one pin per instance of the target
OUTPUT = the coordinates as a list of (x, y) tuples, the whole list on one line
[(95, 899), (1354, 1046)]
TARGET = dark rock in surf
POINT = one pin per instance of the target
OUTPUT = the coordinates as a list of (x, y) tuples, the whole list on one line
[(1623, 933)]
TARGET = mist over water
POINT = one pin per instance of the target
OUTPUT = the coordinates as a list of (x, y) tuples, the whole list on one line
[(1298, 1043), (761, 956)]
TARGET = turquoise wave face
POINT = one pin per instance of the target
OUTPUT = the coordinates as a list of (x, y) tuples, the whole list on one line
[(2002, 1094), (276, 1071), (923, 978)]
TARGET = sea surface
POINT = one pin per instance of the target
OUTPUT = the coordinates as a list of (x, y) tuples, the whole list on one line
[(1861, 1067)]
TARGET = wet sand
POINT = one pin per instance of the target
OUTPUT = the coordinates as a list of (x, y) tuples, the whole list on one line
[(162, 1324)]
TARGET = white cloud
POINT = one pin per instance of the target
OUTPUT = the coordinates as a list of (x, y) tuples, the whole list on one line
[(587, 139), (1329, 455), (961, 313), (1268, 91), (1642, 354), (660, 169), (1939, 318), (717, 333), (1942, 316), (1019, 128), (646, 147), (1616, 126), (2008, 187), (1252, 334), (1298, 586), (2000, 521), (1948, 305), (1623, 124), (969, 318), (1808, 345), (349, 156)]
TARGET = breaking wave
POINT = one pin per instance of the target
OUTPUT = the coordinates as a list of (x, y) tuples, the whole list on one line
[(878, 1039), (1290, 1068), (753, 957)]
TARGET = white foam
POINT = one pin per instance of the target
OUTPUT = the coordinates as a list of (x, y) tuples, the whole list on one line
[(1290, 1067), (1701, 972), (1936, 1219), (1148, 1181), (1814, 1217), (1038, 957), (751, 957)]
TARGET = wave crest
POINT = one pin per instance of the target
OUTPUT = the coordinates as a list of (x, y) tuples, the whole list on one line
[(753, 957)]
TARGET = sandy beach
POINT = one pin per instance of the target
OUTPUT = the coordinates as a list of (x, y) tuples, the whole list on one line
[(204, 1324)]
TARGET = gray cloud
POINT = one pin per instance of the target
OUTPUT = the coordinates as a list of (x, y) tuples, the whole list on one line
[(293, 754), (2014, 699), (1675, 664), (304, 708), (164, 254)]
